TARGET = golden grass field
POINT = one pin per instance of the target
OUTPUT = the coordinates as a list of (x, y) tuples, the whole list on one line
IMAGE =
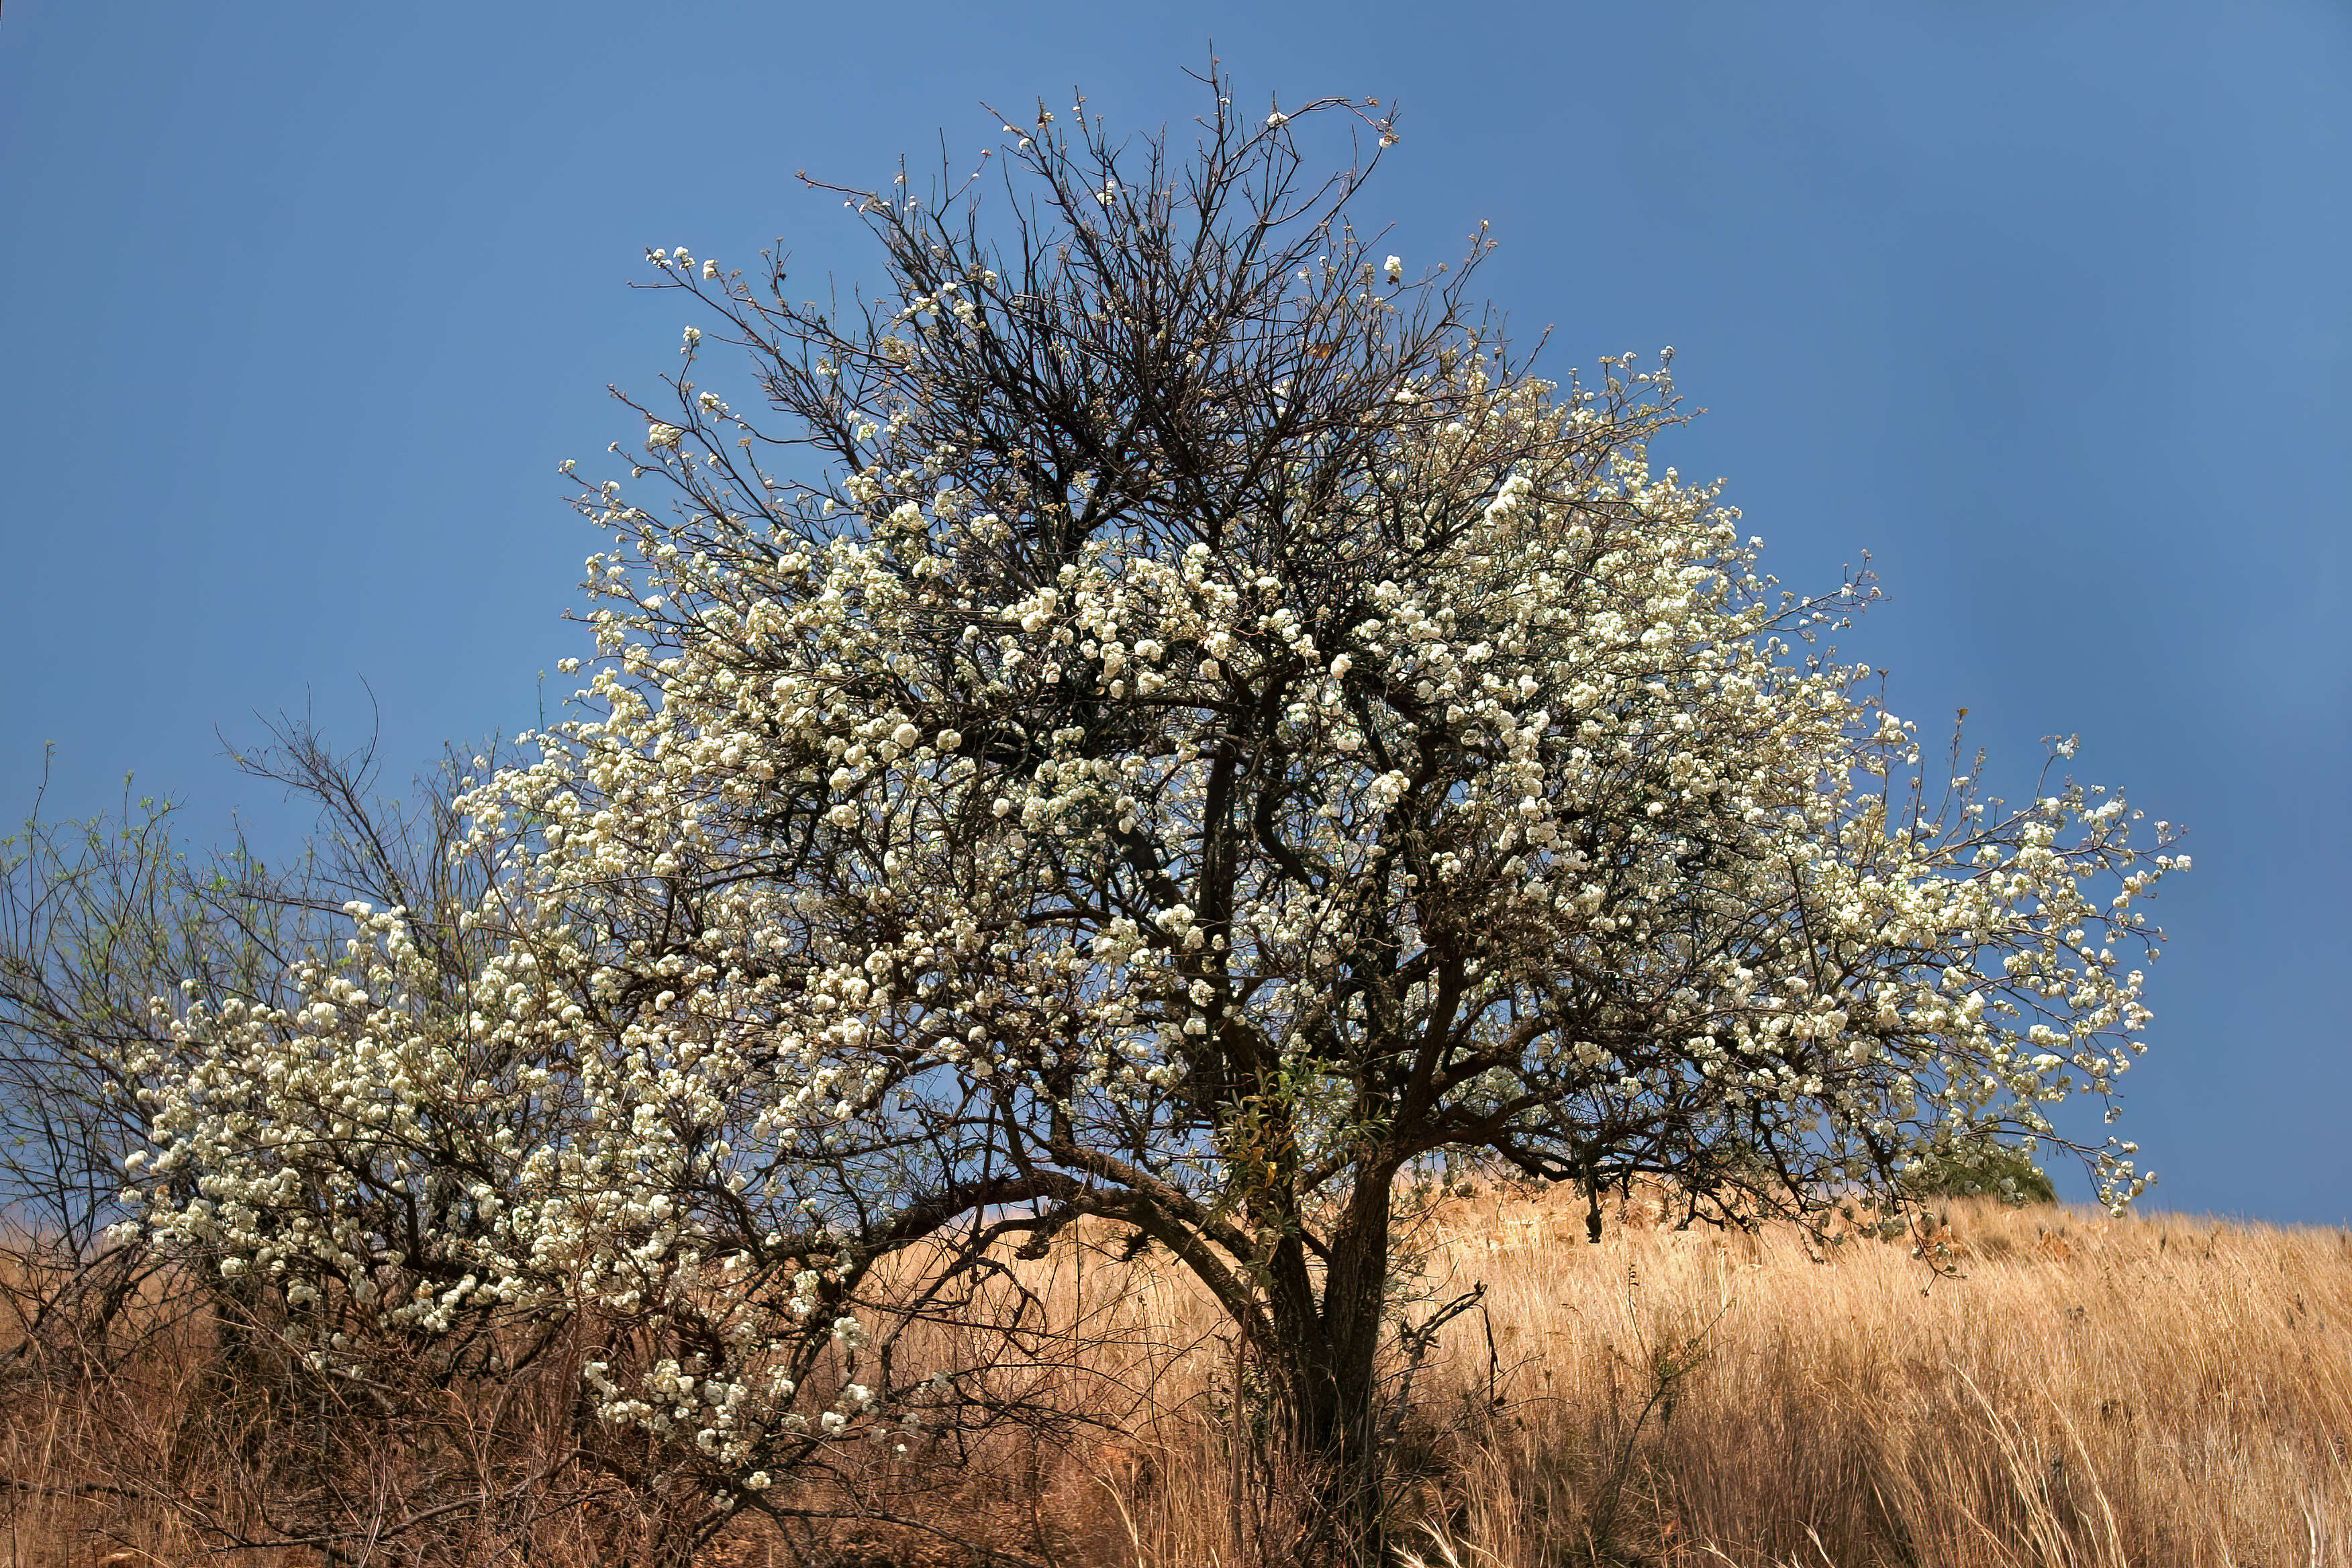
[(2156, 1391)]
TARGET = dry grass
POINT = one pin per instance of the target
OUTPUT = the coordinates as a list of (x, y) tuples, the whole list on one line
[(2154, 1391), (2151, 1391)]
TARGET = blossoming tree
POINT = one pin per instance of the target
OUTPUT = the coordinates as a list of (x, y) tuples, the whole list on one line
[(1171, 720)]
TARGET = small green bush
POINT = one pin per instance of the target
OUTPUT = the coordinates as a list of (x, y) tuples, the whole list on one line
[(2008, 1174)]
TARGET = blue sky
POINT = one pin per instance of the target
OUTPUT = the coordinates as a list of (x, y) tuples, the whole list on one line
[(2042, 304)]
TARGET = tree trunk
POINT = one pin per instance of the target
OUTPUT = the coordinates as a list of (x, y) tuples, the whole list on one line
[(1323, 1372)]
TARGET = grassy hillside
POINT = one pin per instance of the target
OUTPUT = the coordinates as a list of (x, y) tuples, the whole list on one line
[(2154, 1391)]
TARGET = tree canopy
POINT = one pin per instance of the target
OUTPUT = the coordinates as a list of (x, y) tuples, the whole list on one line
[(1164, 715)]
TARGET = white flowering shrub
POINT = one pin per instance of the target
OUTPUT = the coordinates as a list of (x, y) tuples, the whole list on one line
[(95, 918), (427, 1182), (1175, 724)]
